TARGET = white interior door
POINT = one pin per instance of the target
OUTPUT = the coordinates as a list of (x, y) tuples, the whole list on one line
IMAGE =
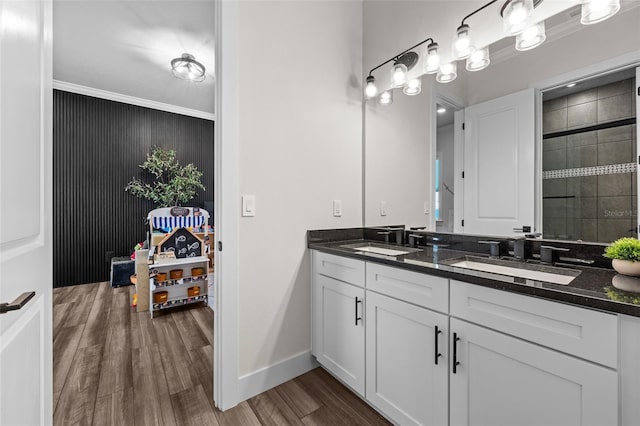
[(25, 212), (499, 151)]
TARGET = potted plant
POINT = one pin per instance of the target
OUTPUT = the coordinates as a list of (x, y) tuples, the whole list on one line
[(173, 184), (625, 255)]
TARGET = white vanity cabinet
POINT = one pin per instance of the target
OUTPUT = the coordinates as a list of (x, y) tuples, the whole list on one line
[(444, 352), (407, 361), (502, 380), (338, 311)]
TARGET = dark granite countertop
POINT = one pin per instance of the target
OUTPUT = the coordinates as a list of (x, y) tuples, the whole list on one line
[(592, 288)]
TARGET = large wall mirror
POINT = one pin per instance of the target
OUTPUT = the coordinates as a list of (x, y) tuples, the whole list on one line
[(582, 182)]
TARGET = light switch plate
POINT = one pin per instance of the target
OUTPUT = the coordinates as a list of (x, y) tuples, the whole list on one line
[(383, 208), (426, 208), (248, 205), (337, 208)]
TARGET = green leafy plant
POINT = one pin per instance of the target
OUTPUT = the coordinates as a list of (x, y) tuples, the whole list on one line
[(173, 184), (626, 248)]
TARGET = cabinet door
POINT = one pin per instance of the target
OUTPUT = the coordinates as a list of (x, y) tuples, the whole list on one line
[(339, 343), (501, 380), (403, 379)]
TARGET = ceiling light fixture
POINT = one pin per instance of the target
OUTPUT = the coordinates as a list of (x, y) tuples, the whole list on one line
[(570, 85), (441, 110), (187, 68), (594, 11)]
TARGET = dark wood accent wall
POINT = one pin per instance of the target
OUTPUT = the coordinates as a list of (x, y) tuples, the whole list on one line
[(98, 146)]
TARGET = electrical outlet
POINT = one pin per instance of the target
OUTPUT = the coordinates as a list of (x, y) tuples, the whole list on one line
[(383, 208), (337, 208)]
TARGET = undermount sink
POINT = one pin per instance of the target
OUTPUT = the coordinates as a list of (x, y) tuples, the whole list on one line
[(382, 249), (537, 272)]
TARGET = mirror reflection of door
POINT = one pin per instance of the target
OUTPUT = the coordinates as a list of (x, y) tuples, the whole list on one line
[(589, 169), (444, 169)]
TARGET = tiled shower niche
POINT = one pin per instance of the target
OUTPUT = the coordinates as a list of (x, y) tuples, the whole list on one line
[(589, 177)]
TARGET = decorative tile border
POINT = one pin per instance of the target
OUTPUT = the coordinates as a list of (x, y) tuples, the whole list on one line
[(590, 171)]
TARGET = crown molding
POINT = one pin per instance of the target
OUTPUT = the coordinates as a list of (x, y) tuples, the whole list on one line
[(132, 100)]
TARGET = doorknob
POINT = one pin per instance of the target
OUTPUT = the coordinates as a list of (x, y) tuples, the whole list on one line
[(18, 303)]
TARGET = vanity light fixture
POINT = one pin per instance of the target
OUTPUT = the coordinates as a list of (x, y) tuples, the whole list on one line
[(516, 16), (594, 11), (478, 60), (447, 73), (463, 46), (386, 97), (413, 87), (402, 64), (371, 90), (531, 37), (432, 59), (187, 68)]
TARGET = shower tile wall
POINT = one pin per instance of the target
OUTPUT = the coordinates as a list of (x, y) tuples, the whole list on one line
[(590, 208)]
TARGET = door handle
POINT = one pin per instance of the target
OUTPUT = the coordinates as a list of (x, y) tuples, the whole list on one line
[(455, 352), (356, 311), (436, 353), (18, 303)]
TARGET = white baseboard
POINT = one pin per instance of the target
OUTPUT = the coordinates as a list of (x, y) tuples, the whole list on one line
[(266, 378)]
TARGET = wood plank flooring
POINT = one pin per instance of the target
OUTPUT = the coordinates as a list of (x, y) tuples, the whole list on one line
[(116, 367)]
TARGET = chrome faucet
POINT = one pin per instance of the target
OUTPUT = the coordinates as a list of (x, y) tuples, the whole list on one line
[(398, 233)]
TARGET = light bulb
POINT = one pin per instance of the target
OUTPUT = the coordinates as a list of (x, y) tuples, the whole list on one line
[(447, 73), (370, 89), (398, 75), (413, 87), (532, 37), (594, 11), (517, 16), (432, 60), (462, 46), (386, 97), (478, 60)]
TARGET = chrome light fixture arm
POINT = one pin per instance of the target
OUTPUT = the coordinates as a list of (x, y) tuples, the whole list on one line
[(399, 56)]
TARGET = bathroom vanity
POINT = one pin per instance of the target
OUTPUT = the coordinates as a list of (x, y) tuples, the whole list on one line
[(429, 343)]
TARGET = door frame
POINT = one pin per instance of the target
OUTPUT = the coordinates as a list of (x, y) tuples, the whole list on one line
[(618, 63), (227, 206), (450, 101)]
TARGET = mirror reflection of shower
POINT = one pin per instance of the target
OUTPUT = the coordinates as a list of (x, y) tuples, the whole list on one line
[(444, 169)]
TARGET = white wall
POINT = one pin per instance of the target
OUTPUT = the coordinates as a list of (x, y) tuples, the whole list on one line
[(398, 157), (300, 147), (590, 44)]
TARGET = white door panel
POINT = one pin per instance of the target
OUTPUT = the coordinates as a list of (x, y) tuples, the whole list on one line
[(25, 211), (499, 164)]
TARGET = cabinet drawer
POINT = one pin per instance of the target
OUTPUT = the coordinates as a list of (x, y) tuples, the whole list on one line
[(414, 287), (578, 331), (340, 268)]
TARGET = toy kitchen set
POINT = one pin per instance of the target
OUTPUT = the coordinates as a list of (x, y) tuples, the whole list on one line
[(177, 269)]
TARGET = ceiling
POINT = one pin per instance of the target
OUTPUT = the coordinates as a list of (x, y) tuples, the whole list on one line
[(126, 47)]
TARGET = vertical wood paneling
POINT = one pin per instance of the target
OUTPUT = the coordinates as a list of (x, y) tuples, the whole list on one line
[(98, 146)]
